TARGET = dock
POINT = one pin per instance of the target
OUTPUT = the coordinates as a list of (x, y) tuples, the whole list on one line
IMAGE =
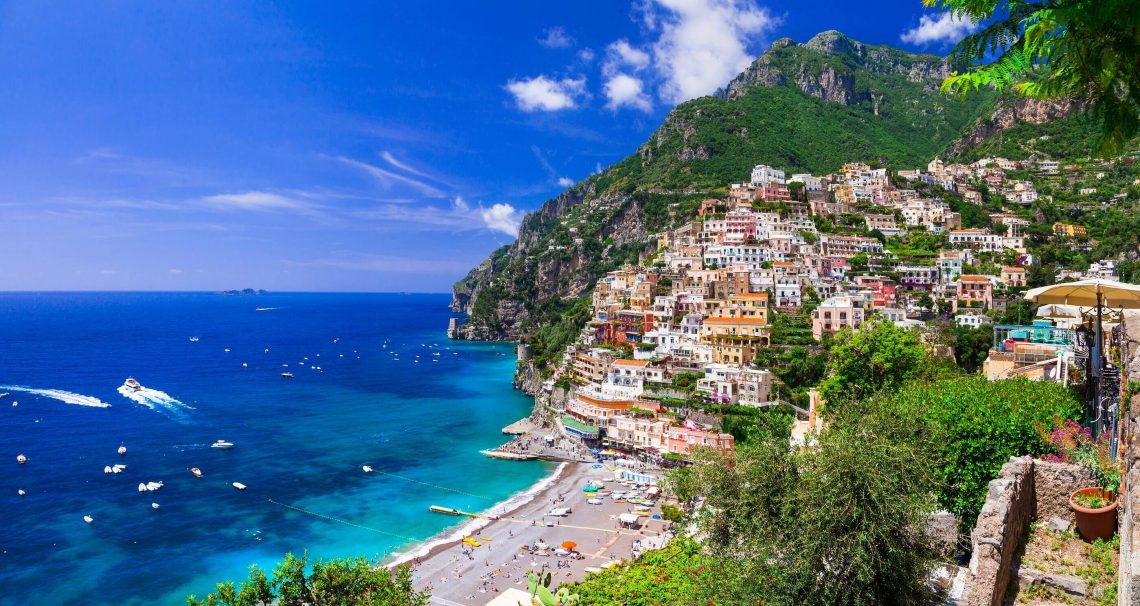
[(452, 511)]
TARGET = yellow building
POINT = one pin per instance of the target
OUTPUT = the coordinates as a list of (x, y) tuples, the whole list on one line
[(1072, 231)]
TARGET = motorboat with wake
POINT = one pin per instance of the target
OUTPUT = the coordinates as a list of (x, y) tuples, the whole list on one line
[(222, 444), (131, 384)]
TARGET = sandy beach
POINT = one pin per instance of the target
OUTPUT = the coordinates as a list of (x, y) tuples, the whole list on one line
[(459, 574)]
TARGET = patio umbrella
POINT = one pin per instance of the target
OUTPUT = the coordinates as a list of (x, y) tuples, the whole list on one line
[(1091, 293), (569, 545)]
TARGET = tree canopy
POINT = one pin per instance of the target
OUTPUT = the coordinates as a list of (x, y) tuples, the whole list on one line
[(1075, 50)]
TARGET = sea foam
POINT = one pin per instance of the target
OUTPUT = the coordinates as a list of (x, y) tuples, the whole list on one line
[(66, 397), (151, 397)]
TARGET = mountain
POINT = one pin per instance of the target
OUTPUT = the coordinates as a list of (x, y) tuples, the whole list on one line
[(802, 107)]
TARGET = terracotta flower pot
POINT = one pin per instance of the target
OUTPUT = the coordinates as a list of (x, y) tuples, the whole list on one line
[(1093, 524)]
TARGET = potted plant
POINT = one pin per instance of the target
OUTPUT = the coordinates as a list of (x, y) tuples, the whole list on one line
[(1093, 506)]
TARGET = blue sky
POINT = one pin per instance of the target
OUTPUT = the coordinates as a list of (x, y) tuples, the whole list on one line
[(372, 146)]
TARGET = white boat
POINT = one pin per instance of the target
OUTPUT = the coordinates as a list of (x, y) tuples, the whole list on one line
[(287, 375), (21, 459), (367, 469), (88, 519), (132, 384), (222, 444), (142, 487), (193, 339), (239, 485), (153, 485), (154, 505), (107, 469), (118, 468), (227, 350), (21, 492), (122, 450), (245, 364)]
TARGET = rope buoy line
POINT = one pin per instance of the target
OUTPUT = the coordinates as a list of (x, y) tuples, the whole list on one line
[(468, 494), (330, 518)]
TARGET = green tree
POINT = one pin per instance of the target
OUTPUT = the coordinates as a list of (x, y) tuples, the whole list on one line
[(879, 355), (1055, 49), (972, 346), (347, 582)]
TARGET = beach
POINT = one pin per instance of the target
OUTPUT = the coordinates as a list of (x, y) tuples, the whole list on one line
[(457, 573)]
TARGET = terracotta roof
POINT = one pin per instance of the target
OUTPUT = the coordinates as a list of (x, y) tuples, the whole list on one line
[(638, 363), (974, 278), (753, 295), (1013, 269)]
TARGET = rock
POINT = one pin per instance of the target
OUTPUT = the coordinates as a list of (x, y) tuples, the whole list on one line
[(1069, 584), (1057, 524)]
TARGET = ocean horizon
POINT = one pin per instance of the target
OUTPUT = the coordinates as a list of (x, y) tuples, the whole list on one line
[(375, 382)]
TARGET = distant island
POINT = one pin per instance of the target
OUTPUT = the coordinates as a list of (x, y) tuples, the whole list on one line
[(246, 291)]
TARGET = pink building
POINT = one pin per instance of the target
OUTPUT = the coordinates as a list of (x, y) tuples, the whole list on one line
[(680, 441)]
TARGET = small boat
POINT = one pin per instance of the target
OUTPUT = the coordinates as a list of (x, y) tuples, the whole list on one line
[(21, 492), (122, 450), (239, 485), (107, 469), (132, 384), (287, 375), (142, 487), (222, 444), (154, 505), (472, 542), (245, 364), (266, 350), (88, 519), (197, 472), (118, 468), (367, 469), (4, 395), (21, 459), (153, 485), (227, 350), (193, 339)]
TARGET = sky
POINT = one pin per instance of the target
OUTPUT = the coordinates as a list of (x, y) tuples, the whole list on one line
[(335, 146)]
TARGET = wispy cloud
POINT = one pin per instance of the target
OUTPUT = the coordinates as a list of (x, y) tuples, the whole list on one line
[(390, 159), (388, 178), (946, 28), (109, 160), (257, 201), (547, 94), (556, 37)]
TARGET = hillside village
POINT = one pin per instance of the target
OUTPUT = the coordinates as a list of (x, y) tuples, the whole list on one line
[(779, 265)]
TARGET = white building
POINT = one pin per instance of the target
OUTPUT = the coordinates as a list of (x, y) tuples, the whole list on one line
[(764, 175)]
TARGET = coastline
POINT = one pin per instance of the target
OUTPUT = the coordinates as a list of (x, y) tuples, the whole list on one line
[(448, 538)]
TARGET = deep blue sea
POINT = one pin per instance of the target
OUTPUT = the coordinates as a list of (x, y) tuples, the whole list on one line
[(299, 443)]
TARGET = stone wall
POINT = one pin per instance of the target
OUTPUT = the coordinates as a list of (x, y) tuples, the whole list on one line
[(1001, 527), (1026, 490), (1129, 580)]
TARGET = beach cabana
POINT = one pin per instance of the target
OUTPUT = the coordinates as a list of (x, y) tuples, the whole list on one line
[(629, 519)]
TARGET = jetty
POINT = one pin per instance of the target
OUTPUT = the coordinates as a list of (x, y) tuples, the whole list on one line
[(521, 427), (452, 511), (509, 456)]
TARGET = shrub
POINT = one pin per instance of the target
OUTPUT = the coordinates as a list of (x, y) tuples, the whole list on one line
[(671, 513), (972, 426)]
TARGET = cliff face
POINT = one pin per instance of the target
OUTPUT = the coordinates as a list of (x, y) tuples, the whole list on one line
[(1009, 112), (837, 69)]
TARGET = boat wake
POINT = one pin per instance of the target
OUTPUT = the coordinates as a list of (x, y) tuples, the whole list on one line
[(152, 397), (66, 397)]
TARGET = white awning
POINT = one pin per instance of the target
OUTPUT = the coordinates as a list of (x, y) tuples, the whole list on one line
[(628, 518)]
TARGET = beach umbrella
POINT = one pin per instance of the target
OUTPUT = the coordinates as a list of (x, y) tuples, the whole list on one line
[(1091, 293), (569, 545)]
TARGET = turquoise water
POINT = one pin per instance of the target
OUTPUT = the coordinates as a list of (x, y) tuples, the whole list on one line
[(300, 443)]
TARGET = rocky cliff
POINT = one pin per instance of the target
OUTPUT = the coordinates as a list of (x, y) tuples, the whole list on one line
[(1009, 112)]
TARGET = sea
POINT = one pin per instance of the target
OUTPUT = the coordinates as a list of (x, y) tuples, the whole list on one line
[(375, 382)]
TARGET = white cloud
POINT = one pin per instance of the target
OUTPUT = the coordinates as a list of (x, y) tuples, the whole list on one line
[(545, 94), (704, 43), (945, 28), (565, 181), (623, 90), (390, 159), (621, 53), (586, 55), (503, 217), (556, 37), (256, 201), (389, 178)]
